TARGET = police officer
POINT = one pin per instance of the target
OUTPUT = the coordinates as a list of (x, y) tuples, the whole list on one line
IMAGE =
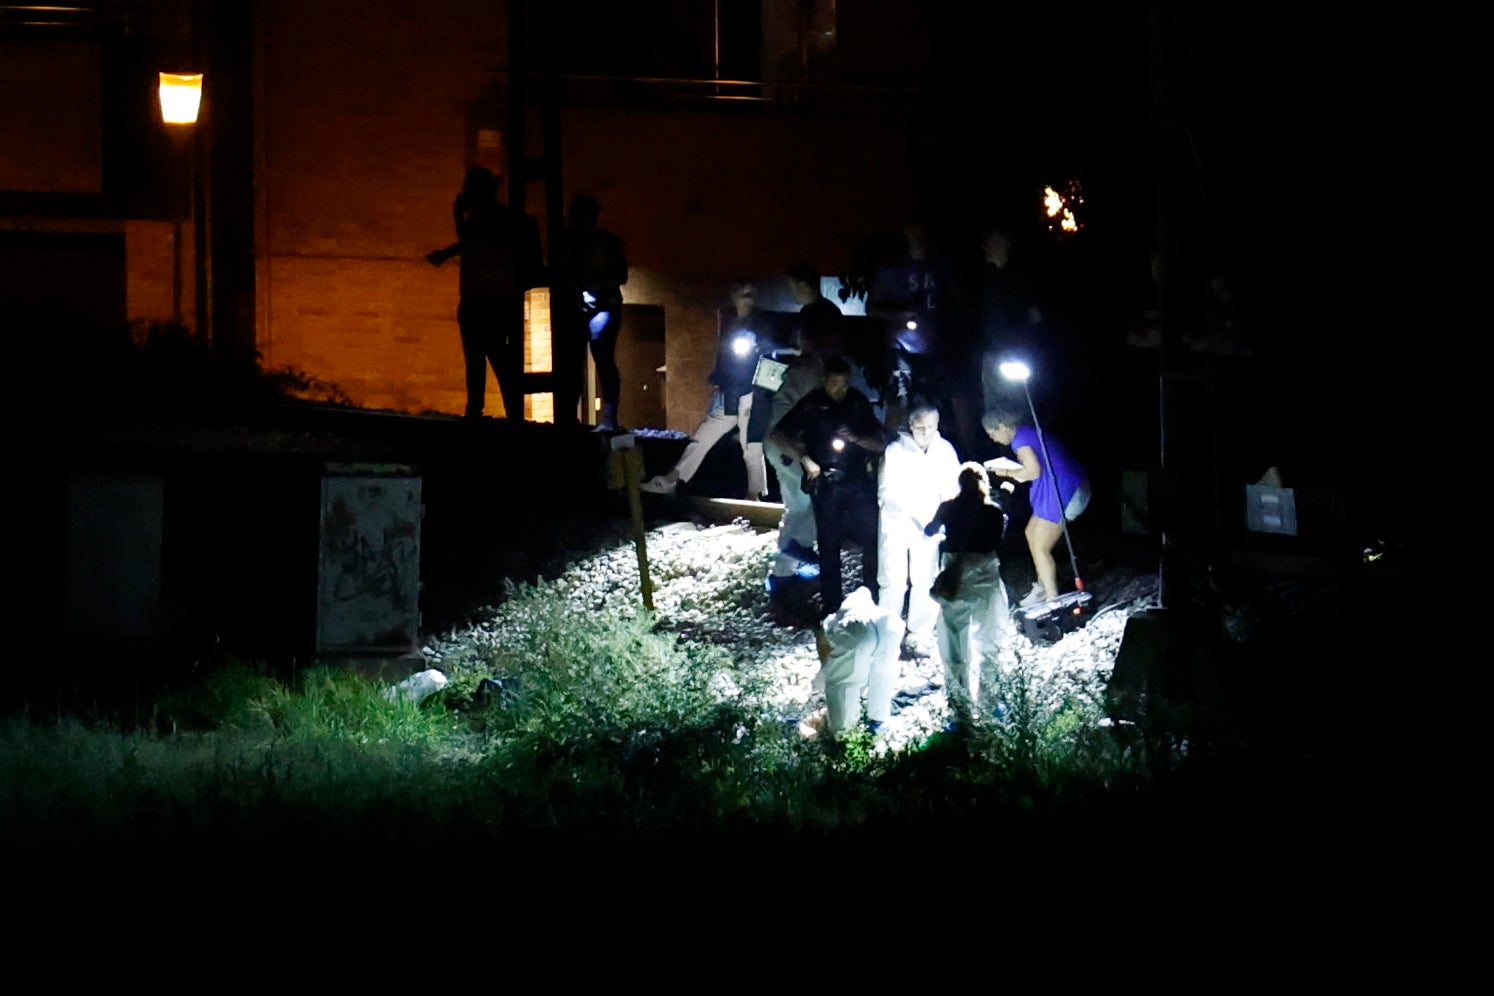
[(833, 435)]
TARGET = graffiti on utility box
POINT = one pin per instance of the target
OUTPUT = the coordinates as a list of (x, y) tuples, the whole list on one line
[(369, 576)]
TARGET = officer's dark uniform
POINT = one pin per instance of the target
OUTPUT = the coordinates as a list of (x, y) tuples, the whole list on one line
[(845, 492)]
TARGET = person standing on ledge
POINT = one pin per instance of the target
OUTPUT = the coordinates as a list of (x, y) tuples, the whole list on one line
[(590, 271), (501, 258)]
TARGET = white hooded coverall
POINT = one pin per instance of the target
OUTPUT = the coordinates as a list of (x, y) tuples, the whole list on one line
[(912, 483), (862, 663)]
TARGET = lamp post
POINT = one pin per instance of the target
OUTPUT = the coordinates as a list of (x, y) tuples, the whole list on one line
[(1016, 370), (181, 98)]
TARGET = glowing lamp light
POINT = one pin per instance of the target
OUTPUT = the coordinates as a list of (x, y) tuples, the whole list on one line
[(912, 325), (1052, 203), (1015, 370), (181, 96), (743, 344), (837, 444), (1059, 207)]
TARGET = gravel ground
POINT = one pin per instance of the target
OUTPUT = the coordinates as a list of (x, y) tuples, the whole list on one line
[(708, 586)]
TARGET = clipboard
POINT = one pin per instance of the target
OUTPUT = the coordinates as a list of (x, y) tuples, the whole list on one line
[(768, 374)]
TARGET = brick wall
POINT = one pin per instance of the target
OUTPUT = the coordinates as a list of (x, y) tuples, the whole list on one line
[(369, 116), (364, 110)]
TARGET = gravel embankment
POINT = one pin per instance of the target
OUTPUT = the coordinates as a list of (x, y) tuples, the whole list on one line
[(708, 586)]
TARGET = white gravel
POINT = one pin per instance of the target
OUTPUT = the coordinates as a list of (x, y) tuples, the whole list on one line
[(709, 586)]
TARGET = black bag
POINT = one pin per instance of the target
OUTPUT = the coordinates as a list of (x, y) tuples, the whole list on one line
[(947, 584)]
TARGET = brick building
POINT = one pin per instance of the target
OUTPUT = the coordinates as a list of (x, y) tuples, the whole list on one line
[(725, 140)]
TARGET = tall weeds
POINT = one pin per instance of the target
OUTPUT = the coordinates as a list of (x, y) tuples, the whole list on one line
[(578, 730)]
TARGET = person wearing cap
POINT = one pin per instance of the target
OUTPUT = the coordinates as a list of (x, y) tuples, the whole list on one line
[(745, 337), (832, 435)]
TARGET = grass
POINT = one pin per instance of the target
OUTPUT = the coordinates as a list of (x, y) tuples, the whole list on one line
[(578, 735), (590, 734)]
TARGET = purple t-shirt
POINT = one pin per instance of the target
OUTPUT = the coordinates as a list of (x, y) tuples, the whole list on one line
[(1046, 505)]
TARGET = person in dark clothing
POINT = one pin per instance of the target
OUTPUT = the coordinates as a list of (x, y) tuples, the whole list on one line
[(914, 295), (820, 319), (745, 337), (590, 271), (501, 258), (833, 434), (1009, 318), (974, 610)]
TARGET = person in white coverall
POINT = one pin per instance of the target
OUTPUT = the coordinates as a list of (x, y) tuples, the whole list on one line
[(861, 666), (817, 341), (919, 470), (975, 614)]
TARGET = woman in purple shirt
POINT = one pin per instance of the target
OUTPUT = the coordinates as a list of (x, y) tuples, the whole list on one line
[(1051, 507)]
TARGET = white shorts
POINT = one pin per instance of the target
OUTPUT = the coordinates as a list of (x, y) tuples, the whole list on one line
[(1078, 502)]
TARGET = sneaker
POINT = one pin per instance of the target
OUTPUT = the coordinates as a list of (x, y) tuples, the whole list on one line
[(799, 551), (787, 565), (660, 485), (919, 647), (778, 583), (1034, 597)]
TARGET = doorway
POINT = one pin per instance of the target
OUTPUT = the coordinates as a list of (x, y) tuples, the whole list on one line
[(640, 362)]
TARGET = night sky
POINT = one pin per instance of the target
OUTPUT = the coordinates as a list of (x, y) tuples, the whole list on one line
[(1272, 118)]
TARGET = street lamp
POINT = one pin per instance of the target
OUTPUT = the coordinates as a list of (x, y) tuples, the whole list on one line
[(1016, 370), (181, 98)]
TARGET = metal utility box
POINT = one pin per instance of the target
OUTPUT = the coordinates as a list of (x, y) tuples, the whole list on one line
[(114, 532), (368, 575)]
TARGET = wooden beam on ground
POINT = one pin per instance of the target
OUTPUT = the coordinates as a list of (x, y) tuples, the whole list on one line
[(761, 514)]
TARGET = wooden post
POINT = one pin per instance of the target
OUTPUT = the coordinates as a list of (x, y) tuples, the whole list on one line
[(623, 446)]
